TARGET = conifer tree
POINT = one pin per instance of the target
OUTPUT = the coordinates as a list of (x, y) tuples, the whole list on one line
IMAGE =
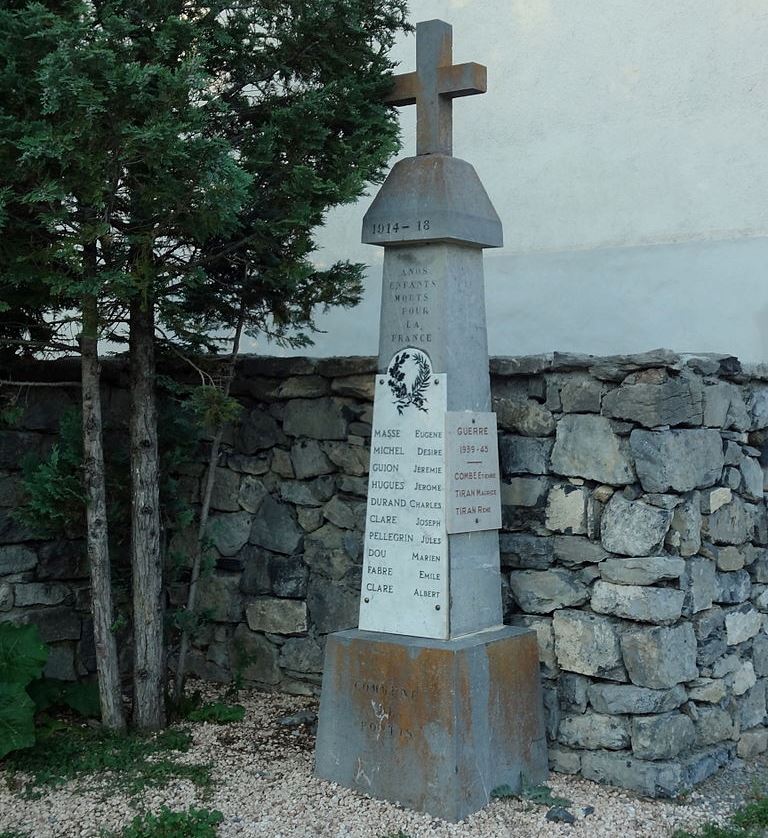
[(169, 160)]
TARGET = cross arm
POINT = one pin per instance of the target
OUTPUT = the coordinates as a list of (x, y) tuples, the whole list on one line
[(403, 90), (462, 80)]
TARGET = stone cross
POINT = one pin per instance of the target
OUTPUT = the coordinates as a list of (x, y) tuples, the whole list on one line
[(434, 85)]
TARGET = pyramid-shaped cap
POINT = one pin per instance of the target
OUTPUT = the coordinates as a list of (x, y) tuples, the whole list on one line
[(430, 198)]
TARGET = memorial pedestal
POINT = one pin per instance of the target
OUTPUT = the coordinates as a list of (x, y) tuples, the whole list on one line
[(434, 725)]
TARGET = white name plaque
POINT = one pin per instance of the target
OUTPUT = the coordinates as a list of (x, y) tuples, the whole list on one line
[(405, 560), (473, 500)]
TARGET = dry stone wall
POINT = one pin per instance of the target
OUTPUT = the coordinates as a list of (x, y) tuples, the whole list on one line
[(634, 542)]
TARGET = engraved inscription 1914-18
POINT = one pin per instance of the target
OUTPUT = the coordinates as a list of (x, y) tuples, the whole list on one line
[(405, 578)]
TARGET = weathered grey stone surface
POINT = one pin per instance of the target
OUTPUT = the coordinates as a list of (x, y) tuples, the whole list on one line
[(741, 624), (685, 533), (277, 616), (588, 644), (545, 637), (661, 737), (642, 571), (751, 706), (633, 528), (309, 459), (677, 460), (699, 582), (314, 492), (708, 690), (660, 657), (653, 398), (582, 394), (257, 432), (41, 593), (713, 725), (541, 592), (563, 760), (274, 528), (572, 690), (566, 510), (732, 588), (730, 524), (229, 531), (594, 730), (220, 596), (752, 742), (760, 654), (586, 446), (16, 559), (255, 656), (316, 418), (572, 551), (524, 491), (751, 479), (619, 699), (524, 455), (526, 418), (633, 602), (526, 551)]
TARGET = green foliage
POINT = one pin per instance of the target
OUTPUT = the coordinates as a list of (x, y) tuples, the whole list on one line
[(195, 823), (54, 495), (80, 696), (134, 762), (751, 821), (213, 407), (22, 658), (218, 713), (12, 833)]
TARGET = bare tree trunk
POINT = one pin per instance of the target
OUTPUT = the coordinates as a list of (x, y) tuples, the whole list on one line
[(110, 694), (146, 555), (205, 509)]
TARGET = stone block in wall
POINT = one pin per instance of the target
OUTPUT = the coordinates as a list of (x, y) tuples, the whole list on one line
[(572, 689), (634, 528), (661, 737), (324, 418), (551, 709), (593, 731), (566, 509), (751, 709), (641, 571), (563, 760), (41, 593), (277, 616), (220, 596), (281, 464), (620, 699), (61, 662), (302, 654), (6, 597), (541, 592), (357, 386), (713, 725), (303, 387), (751, 479), (524, 455), (251, 493), (645, 604), (760, 654), (16, 559), (314, 492), (274, 528), (229, 532), (581, 394), (332, 606), (574, 551), (12, 443), (245, 464), (752, 742), (659, 778), (546, 640), (731, 523), (742, 679), (351, 459), (699, 583), (254, 656), (525, 551), (653, 397), (741, 624), (524, 491), (707, 690), (257, 431), (57, 623), (12, 531), (10, 490), (660, 657), (717, 401), (524, 417), (677, 460), (684, 536), (345, 513), (586, 446), (588, 644), (732, 588), (226, 488)]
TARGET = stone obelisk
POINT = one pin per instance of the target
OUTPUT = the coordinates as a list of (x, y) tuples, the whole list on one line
[(432, 702)]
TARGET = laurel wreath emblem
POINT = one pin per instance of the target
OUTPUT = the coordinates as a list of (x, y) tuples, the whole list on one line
[(416, 394)]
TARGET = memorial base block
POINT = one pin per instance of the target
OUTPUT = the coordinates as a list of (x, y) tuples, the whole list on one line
[(434, 725)]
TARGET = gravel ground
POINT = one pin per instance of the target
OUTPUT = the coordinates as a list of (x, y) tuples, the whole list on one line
[(263, 785)]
